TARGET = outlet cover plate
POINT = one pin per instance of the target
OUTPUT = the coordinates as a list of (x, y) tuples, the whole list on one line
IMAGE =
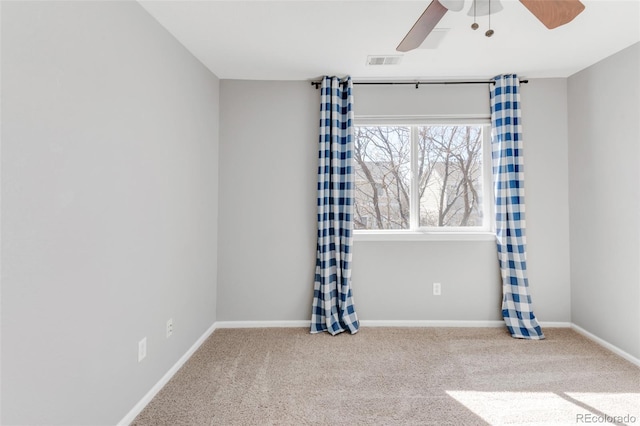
[(169, 327), (142, 349), (437, 289)]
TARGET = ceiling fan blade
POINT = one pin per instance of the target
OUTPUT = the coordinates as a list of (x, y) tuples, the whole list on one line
[(423, 26), (554, 13)]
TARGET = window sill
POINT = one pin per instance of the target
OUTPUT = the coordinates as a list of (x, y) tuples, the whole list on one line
[(422, 236)]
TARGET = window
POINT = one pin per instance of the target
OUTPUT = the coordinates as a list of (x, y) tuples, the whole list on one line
[(421, 177)]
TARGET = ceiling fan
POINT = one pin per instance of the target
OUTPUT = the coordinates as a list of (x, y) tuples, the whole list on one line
[(552, 13)]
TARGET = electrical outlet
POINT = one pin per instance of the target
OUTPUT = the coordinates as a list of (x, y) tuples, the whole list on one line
[(169, 327), (142, 349), (437, 289)]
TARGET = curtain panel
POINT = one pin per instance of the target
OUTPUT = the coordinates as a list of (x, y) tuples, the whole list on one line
[(333, 307), (508, 181)]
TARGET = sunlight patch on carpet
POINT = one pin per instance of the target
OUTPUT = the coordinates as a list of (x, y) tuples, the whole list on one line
[(543, 408), (619, 404)]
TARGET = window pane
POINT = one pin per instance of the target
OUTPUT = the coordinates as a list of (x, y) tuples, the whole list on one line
[(450, 175), (383, 175)]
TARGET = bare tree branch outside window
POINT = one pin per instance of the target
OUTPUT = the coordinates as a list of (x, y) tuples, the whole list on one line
[(449, 174)]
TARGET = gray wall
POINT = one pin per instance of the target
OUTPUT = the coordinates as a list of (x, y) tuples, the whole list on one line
[(109, 208), (260, 148), (468, 270), (268, 175), (545, 133), (604, 153)]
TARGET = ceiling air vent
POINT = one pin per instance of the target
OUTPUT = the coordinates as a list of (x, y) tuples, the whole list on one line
[(384, 60)]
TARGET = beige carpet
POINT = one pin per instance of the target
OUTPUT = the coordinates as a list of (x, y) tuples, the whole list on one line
[(398, 376)]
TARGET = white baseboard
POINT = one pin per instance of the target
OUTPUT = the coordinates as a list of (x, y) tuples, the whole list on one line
[(616, 350), (364, 323), (555, 324), (430, 323), (263, 324), (384, 323), (137, 409)]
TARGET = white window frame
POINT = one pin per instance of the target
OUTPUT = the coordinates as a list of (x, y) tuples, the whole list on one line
[(486, 232)]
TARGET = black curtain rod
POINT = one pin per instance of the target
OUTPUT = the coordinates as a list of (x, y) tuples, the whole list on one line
[(317, 84)]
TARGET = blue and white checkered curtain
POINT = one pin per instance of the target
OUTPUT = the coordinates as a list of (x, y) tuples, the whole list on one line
[(333, 308), (508, 181)]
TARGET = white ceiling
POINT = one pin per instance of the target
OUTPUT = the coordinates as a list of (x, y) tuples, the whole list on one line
[(305, 39)]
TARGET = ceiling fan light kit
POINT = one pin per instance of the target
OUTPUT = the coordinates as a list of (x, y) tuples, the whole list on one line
[(552, 13), (453, 5), (484, 7)]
